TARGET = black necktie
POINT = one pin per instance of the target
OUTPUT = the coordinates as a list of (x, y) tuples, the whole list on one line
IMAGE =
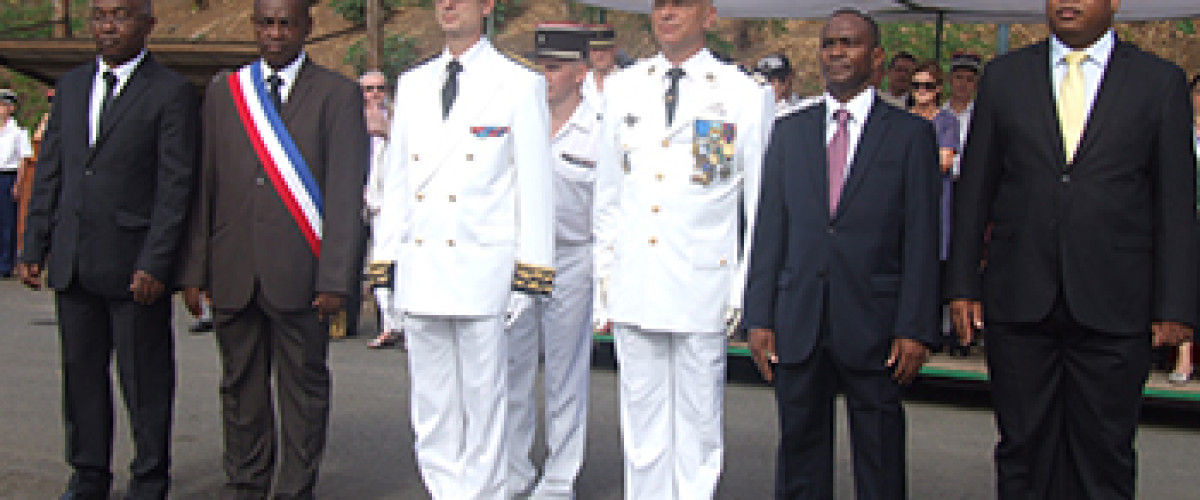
[(110, 90), (276, 85), (450, 90), (673, 93)]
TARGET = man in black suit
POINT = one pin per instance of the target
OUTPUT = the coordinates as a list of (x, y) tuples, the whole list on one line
[(110, 199), (842, 290), (1079, 157)]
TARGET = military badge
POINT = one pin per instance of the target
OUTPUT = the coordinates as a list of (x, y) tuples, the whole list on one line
[(626, 165), (714, 147), (484, 132), (631, 120)]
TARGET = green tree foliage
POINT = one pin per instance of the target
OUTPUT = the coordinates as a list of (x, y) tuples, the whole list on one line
[(355, 11), (399, 53)]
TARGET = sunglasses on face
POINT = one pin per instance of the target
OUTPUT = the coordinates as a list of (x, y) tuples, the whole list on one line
[(374, 88), (924, 85)]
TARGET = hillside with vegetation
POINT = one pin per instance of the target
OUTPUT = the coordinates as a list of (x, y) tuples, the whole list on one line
[(412, 33)]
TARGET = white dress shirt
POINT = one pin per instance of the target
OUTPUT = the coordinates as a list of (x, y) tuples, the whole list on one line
[(1093, 65), (859, 107), (14, 146), (123, 72), (289, 74)]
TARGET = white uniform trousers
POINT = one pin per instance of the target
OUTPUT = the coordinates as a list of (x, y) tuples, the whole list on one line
[(389, 316), (672, 391), (562, 323), (459, 394)]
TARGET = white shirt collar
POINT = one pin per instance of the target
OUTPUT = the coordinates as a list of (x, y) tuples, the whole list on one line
[(289, 73), (582, 119), (124, 70), (859, 106), (1098, 52), (693, 67), (468, 58)]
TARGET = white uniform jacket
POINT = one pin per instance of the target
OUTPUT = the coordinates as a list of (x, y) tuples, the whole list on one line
[(576, 148), (468, 199), (668, 241)]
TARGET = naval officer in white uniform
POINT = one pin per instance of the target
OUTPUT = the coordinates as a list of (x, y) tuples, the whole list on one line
[(468, 219), (602, 57), (559, 327), (685, 136)]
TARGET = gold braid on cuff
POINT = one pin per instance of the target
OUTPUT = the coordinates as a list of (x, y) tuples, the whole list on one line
[(380, 274), (533, 279)]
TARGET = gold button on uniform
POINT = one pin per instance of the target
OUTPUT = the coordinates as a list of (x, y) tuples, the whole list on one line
[(666, 143), (658, 176), (724, 262), (453, 198), (419, 241), (655, 209), (653, 241), (420, 196), (470, 157), (449, 243), (416, 157)]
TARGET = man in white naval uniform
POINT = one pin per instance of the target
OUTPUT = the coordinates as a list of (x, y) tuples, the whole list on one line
[(685, 136), (602, 57), (559, 328), (468, 219)]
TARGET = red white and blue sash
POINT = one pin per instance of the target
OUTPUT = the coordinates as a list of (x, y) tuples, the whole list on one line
[(280, 157)]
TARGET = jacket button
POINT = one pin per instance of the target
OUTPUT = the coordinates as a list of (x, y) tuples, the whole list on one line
[(724, 262), (419, 241), (831, 230), (1066, 178), (260, 181), (453, 198), (87, 172), (658, 176), (653, 241), (416, 157), (449, 243), (470, 157), (666, 143), (655, 209), (420, 196)]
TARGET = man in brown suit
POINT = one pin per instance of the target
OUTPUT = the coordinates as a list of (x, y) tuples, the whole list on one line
[(273, 274)]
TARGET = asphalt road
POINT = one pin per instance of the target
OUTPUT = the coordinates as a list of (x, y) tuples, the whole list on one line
[(369, 453)]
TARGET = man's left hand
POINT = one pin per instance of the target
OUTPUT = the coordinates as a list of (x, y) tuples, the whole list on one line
[(906, 359), (327, 304), (1170, 333), (146, 288)]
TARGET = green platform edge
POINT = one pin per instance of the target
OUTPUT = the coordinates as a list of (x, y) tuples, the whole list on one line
[(929, 371)]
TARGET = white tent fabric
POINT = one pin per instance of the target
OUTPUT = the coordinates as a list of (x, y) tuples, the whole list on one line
[(957, 10)]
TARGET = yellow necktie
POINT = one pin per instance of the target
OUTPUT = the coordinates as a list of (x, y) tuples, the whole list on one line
[(1072, 103)]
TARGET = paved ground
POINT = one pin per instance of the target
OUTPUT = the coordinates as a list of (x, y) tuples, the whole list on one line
[(369, 452)]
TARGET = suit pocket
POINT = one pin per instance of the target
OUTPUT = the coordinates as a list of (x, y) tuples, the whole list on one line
[(126, 220), (710, 255), (495, 235), (885, 284)]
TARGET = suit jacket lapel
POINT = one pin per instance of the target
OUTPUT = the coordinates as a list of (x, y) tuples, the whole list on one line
[(139, 81), (874, 130), (79, 111), (818, 173), (1107, 99), (1045, 104), (299, 94)]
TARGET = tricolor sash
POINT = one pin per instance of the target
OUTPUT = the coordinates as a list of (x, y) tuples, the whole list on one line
[(280, 157)]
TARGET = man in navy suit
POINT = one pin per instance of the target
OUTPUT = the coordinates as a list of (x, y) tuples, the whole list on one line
[(106, 219), (1080, 159), (842, 290)]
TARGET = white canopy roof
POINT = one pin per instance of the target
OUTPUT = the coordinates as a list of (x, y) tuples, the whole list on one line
[(957, 10)]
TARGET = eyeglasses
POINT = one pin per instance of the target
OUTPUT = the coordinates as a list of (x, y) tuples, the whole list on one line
[(375, 88), (924, 85)]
